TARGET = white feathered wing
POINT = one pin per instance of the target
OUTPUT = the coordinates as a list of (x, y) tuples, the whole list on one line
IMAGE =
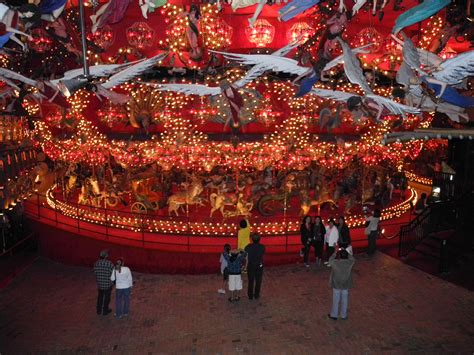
[(352, 67), (454, 70)]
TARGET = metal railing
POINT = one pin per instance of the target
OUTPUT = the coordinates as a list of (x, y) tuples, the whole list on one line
[(138, 234), (436, 217)]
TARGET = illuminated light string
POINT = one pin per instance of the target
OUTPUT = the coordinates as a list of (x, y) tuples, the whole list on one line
[(176, 227), (419, 179), (290, 146)]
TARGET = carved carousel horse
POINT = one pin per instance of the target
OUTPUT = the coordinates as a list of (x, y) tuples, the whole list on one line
[(190, 196), (91, 194), (85, 197), (307, 203), (219, 200), (242, 208)]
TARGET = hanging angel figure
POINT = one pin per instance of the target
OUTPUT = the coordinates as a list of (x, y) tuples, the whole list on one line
[(375, 6), (228, 90), (368, 106), (10, 19), (295, 8), (109, 14), (419, 13), (192, 32), (278, 63), (149, 6), (239, 4), (335, 27), (434, 92), (50, 9), (118, 74), (48, 93)]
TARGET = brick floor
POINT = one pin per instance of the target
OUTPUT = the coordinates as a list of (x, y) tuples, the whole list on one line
[(393, 308)]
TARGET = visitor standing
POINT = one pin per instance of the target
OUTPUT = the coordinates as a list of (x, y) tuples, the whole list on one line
[(319, 231), (234, 265), (306, 238), (344, 235), (123, 288), (243, 235), (254, 266), (371, 230), (331, 239), (341, 263), (224, 270), (102, 270)]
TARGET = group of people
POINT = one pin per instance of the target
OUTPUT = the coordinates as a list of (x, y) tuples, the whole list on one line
[(326, 239), (245, 259), (248, 258), (107, 275)]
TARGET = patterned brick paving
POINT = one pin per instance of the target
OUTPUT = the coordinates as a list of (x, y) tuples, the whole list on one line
[(393, 308)]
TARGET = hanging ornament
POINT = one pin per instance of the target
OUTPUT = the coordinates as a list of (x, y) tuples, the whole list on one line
[(366, 36), (103, 38), (261, 34), (140, 35), (300, 31)]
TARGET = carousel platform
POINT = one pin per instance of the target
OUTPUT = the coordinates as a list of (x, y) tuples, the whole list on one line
[(77, 239)]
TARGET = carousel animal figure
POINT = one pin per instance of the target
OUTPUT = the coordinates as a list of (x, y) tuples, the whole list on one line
[(219, 201), (242, 208), (70, 174), (83, 198), (91, 194), (307, 202), (190, 196)]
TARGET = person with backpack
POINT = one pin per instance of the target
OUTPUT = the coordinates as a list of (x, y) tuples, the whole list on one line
[(235, 260)]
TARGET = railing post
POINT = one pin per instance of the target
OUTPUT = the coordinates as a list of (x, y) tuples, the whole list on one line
[(143, 229), (78, 219), (38, 205), (56, 212), (189, 232), (106, 221)]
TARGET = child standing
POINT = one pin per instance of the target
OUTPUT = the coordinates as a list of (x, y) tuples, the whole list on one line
[(224, 270), (234, 264)]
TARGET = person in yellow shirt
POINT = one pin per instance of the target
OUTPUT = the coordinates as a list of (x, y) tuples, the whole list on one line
[(243, 235)]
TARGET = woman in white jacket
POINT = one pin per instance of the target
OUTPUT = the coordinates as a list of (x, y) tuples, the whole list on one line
[(123, 285)]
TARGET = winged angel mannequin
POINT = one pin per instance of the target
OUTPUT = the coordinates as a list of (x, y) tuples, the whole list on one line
[(51, 91), (230, 91), (278, 63), (435, 91), (369, 106)]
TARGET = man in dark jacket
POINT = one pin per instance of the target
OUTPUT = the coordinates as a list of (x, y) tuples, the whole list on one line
[(341, 263), (103, 270), (254, 266)]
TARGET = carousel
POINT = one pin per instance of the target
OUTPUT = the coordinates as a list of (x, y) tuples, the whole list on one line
[(183, 118)]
